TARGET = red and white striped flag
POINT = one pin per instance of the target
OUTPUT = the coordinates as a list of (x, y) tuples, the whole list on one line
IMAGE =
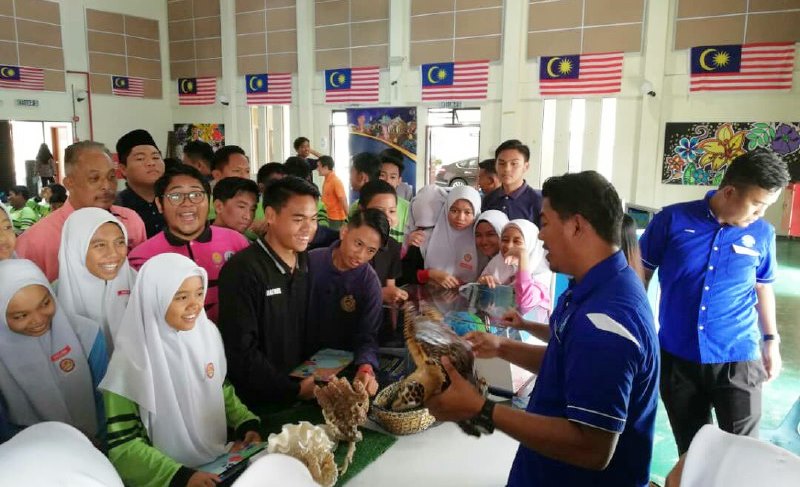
[(352, 85), (197, 91), (585, 74), (762, 66), (127, 86), (21, 78), (460, 80), (269, 89)]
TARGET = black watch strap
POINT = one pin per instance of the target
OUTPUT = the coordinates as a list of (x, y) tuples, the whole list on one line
[(484, 420)]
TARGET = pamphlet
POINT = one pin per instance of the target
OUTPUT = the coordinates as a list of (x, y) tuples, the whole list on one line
[(324, 365)]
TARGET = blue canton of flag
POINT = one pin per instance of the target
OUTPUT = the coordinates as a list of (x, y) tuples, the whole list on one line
[(337, 79), (187, 86), (559, 67), (438, 74), (716, 59), (257, 83), (9, 73)]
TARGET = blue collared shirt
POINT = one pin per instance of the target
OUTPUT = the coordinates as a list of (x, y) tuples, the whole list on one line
[(708, 273), (600, 369), (525, 203)]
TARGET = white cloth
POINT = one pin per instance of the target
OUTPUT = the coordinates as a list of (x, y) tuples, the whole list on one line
[(8, 215), (44, 378), (54, 453), (425, 209), (175, 377), (276, 469), (83, 296), (497, 219), (537, 264), (719, 459), (451, 250)]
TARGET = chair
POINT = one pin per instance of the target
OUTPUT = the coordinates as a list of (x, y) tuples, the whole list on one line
[(787, 435)]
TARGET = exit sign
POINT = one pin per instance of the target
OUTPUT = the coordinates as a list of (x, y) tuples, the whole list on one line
[(27, 102)]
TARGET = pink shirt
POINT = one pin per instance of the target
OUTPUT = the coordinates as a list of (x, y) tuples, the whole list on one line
[(211, 250), (531, 293), (40, 242)]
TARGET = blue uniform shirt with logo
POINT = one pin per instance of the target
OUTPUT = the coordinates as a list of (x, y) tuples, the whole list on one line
[(708, 273), (600, 369)]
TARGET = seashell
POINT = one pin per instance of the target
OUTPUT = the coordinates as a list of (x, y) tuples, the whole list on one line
[(309, 444)]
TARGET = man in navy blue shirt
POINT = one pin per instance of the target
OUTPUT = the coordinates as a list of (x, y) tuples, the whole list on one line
[(591, 415), (716, 262), (347, 308), (514, 198)]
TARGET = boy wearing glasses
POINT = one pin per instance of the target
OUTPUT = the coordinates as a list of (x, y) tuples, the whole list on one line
[(182, 197)]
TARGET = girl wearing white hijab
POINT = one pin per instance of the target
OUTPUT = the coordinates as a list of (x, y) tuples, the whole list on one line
[(488, 227), (521, 261), (8, 239), (49, 368), (167, 402), (94, 278)]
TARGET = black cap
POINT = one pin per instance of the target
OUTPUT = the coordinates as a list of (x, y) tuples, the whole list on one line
[(127, 142)]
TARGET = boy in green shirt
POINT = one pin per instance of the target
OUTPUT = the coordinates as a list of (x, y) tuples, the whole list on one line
[(22, 215)]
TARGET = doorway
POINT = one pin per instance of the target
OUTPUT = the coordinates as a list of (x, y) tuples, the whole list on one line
[(453, 147), (27, 137)]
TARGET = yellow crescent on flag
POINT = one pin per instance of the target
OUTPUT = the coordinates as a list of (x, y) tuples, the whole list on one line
[(430, 74), (183, 85), (702, 59), (252, 78), (119, 82), (550, 67), (334, 75), (7, 71)]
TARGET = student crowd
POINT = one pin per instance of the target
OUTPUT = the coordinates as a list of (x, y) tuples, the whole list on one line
[(156, 319)]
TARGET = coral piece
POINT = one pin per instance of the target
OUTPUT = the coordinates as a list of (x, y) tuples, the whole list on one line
[(344, 407), (429, 339), (311, 445)]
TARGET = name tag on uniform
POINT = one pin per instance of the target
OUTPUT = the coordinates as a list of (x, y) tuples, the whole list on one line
[(273, 292), (745, 251)]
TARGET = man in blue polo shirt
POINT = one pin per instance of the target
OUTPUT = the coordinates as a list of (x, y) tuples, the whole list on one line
[(591, 415), (514, 198), (716, 261)]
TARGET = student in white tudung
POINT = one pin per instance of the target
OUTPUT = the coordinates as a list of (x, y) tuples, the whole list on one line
[(95, 280), (8, 239), (488, 227), (167, 401), (49, 367)]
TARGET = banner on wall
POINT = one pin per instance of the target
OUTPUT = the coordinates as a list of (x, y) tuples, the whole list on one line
[(376, 129), (699, 153), (213, 133)]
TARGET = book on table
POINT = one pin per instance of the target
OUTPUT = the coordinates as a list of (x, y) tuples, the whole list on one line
[(323, 365)]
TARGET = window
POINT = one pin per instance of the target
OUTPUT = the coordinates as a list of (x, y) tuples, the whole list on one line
[(548, 139), (608, 126), (576, 132), (340, 147)]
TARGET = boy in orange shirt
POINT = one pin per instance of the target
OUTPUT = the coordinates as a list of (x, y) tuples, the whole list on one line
[(333, 196)]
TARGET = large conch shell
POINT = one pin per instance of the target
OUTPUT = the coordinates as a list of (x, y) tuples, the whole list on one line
[(345, 408), (309, 444)]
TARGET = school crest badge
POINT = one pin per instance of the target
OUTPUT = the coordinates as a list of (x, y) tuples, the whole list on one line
[(348, 303), (210, 370), (67, 365)]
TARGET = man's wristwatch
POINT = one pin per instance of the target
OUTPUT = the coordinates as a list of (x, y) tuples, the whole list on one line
[(767, 337), (483, 421)]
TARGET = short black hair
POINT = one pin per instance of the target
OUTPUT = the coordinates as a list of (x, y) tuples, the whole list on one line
[(373, 218), (278, 191), (227, 188), (199, 150), (367, 163), (300, 141), (223, 155), (488, 165), (58, 193), (326, 162), (171, 162), (590, 195), (516, 145), (761, 168), (266, 171), (392, 156), (162, 183), (297, 166), (372, 189), (21, 190)]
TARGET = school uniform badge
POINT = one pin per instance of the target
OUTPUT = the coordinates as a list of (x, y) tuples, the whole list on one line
[(348, 303), (67, 365), (210, 370)]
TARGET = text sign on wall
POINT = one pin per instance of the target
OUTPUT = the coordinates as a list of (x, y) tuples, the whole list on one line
[(27, 102)]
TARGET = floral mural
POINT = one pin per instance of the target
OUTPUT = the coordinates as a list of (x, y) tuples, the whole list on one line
[(699, 153), (213, 133)]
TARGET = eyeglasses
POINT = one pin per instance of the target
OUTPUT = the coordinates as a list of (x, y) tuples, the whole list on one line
[(178, 198)]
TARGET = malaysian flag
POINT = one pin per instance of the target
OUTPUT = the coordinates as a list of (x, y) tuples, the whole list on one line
[(585, 74), (127, 86), (21, 78), (763, 66), (269, 89), (197, 91), (461, 80), (353, 85)]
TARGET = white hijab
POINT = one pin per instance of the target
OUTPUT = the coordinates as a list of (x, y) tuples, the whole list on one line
[(425, 209), (54, 453), (8, 215), (503, 272), (83, 296), (497, 219), (454, 250), (175, 377), (44, 378)]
